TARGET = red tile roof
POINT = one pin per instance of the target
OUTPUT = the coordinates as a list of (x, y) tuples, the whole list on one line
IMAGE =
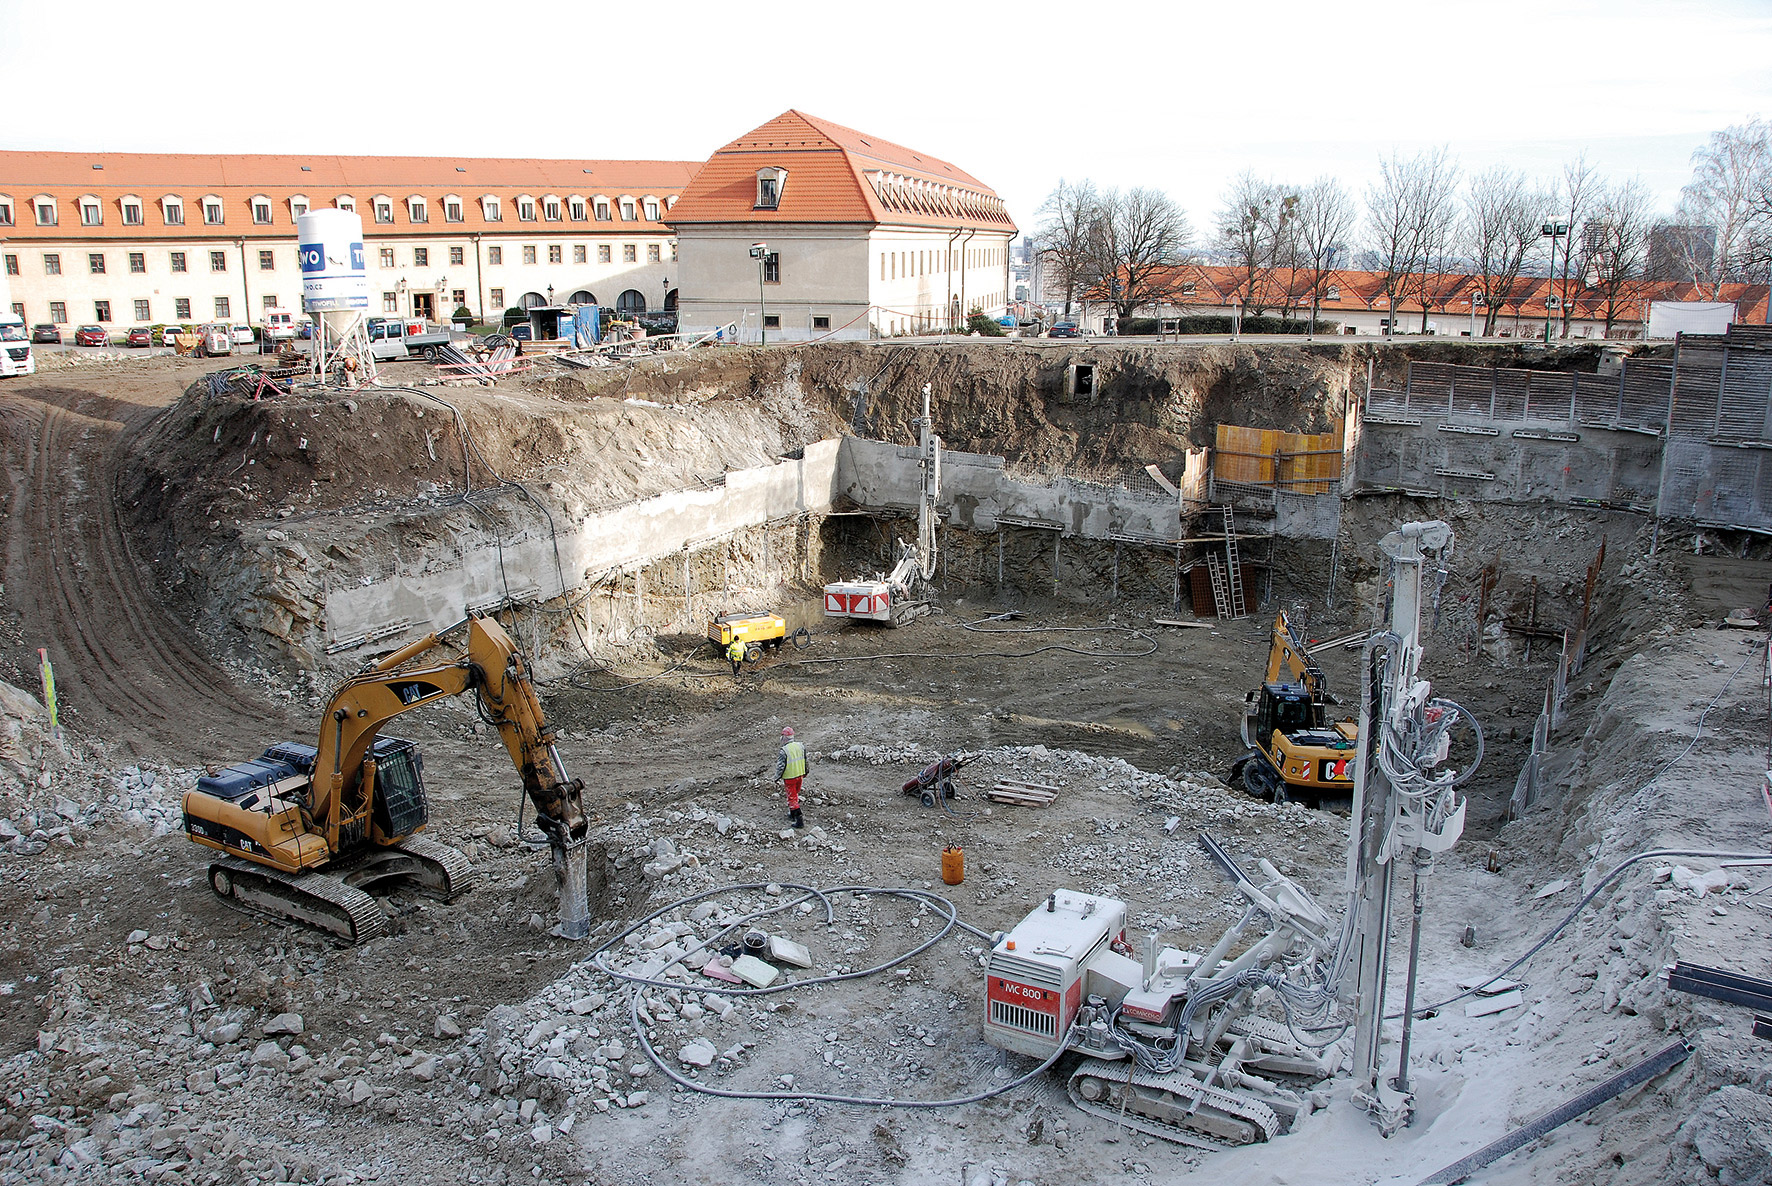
[(837, 175)]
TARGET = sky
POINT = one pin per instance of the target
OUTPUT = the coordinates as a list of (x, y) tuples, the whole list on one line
[(1181, 97)]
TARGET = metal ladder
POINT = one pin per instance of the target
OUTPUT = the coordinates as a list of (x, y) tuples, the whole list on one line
[(1220, 596), (1234, 565)]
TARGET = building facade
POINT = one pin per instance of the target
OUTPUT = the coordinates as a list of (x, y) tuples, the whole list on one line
[(123, 239), (804, 229)]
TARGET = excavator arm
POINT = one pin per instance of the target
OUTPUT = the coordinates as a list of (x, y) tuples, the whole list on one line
[(1288, 662)]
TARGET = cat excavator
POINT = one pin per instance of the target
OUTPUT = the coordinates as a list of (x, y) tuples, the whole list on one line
[(307, 830), (1295, 750)]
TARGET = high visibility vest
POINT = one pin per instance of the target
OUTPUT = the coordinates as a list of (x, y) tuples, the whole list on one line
[(735, 652), (796, 767)]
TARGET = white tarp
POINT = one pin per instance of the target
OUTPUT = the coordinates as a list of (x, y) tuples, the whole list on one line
[(1667, 318)]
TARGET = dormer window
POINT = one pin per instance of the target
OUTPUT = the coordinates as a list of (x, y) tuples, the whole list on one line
[(417, 210), (770, 183), (345, 202), (627, 209), (525, 208), (575, 209), (132, 210), (212, 211), (1187, 290), (91, 213), (489, 208), (550, 209), (1332, 293), (651, 208), (384, 209), (451, 208), (5, 212), (172, 211), (602, 209), (298, 206), (261, 211)]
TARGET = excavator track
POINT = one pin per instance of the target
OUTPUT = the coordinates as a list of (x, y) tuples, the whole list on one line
[(442, 873), (310, 899), (1207, 1117)]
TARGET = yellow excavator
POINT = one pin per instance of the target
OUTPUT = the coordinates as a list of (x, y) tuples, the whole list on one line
[(309, 828), (1295, 750)]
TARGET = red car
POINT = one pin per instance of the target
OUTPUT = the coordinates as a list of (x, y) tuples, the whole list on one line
[(91, 335), (141, 335)]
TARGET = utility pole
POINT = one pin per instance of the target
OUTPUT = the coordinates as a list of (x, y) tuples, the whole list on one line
[(760, 253)]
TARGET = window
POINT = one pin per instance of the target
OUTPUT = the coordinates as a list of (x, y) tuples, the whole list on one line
[(459, 296), (12, 265), (525, 209), (143, 311), (95, 263), (772, 321), (455, 257), (384, 210), (267, 261), (452, 210), (495, 255), (261, 211), (673, 251), (45, 212), (212, 212), (554, 254), (178, 261), (18, 310), (772, 268), (529, 255), (345, 202), (627, 209), (602, 209), (602, 253), (651, 209), (550, 209), (387, 257), (416, 209), (101, 310), (652, 253), (576, 209), (181, 308), (52, 263), (5, 211), (58, 312), (270, 300), (90, 212), (222, 308), (770, 183), (628, 253), (498, 298), (489, 208), (1332, 293), (218, 261), (138, 262), (298, 206), (421, 257), (821, 322), (578, 253), (390, 303)]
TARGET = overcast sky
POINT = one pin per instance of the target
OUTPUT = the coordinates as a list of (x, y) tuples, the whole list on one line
[(1180, 97)]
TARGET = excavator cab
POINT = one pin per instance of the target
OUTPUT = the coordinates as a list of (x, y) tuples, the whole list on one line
[(1290, 708)]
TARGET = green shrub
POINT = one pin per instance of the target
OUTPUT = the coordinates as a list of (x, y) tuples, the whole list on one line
[(462, 313), (978, 323), (514, 316)]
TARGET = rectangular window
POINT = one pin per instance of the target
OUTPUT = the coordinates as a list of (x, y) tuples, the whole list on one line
[(451, 211), (455, 257), (418, 212), (138, 262), (5, 213), (267, 261), (554, 255), (673, 251), (132, 214), (46, 216), (578, 253), (222, 307), (90, 215), (495, 255), (652, 253), (143, 311), (52, 263), (390, 303), (772, 268), (95, 263), (493, 212), (18, 310), (101, 310), (821, 323), (299, 207), (498, 298), (181, 308), (384, 212), (12, 265), (772, 321), (459, 296), (178, 261), (218, 261), (602, 211), (421, 257), (628, 253), (550, 210), (58, 312), (529, 255), (175, 214), (627, 209), (576, 208), (525, 210), (602, 253), (261, 213), (387, 257), (270, 300), (212, 213)]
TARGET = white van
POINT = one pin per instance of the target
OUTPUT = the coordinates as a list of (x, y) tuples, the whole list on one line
[(16, 357), (279, 326)]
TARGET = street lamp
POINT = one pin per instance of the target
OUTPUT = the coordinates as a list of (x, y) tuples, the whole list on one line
[(1552, 231), (666, 298), (760, 253), (550, 296)]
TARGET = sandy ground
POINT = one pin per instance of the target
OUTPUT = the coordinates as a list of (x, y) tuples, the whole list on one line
[(139, 1031)]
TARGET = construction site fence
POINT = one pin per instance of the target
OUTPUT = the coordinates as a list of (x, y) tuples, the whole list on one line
[(1639, 396), (1136, 482)]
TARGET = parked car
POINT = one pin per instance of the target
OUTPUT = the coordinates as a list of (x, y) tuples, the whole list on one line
[(91, 335), (140, 335), (1064, 329), (170, 332), (523, 333), (304, 329), (243, 335), (46, 333)]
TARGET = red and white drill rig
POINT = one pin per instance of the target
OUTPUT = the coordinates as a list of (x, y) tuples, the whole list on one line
[(891, 597), (1225, 1048)]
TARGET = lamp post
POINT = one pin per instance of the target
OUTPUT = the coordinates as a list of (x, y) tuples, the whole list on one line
[(760, 253), (550, 296), (1552, 231)]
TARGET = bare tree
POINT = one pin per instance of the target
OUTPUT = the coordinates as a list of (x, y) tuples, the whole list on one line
[(1067, 236), (1581, 187), (1730, 176), (1502, 217), (1325, 216), (1433, 283), (1257, 231), (1616, 240), (1139, 239), (1406, 209)]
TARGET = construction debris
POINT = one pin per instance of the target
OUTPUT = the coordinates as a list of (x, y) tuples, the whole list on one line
[(1022, 794)]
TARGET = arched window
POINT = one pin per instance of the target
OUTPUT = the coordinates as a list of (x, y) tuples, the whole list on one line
[(534, 300), (631, 301), (582, 297)]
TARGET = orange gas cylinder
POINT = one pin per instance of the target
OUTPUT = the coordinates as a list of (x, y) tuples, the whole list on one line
[(953, 865)]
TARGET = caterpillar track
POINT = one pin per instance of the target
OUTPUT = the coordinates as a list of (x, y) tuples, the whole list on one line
[(336, 903), (1175, 1107)]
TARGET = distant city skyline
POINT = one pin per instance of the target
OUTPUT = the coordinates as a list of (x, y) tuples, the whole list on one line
[(1179, 100)]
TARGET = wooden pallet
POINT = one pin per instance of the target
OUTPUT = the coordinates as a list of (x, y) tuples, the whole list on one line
[(1022, 794)]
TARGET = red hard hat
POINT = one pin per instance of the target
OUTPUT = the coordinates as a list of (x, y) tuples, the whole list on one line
[(787, 732)]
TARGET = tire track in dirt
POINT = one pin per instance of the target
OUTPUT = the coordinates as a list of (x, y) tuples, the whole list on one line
[(127, 669)]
